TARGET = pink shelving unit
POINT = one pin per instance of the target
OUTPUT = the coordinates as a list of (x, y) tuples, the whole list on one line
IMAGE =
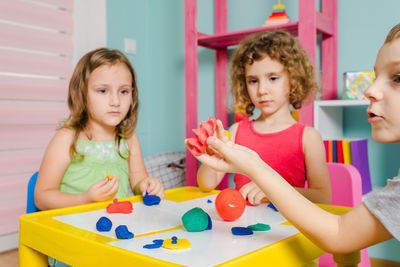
[(310, 24)]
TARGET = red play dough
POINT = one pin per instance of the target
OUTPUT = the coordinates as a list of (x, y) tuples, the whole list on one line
[(230, 204), (120, 207), (198, 143)]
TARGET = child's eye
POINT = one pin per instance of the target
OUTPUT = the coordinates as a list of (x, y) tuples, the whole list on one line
[(274, 78), (101, 90), (125, 91), (396, 78), (252, 81)]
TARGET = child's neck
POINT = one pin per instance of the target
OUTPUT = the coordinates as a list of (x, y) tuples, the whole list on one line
[(96, 132), (273, 123)]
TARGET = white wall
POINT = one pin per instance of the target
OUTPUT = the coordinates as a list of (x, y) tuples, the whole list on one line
[(89, 26)]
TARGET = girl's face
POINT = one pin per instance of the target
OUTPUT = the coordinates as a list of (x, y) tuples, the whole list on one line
[(109, 94), (268, 86), (384, 94)]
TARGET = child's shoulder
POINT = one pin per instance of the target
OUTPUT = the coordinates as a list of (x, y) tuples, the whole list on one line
[(311, 134), (64, 134), (132, 140)]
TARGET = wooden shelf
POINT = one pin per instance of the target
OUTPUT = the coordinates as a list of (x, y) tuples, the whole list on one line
[(341, 103), (328, 116), (223, 40)]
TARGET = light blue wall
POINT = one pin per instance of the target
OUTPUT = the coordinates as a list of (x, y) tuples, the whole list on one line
[(158, 27)]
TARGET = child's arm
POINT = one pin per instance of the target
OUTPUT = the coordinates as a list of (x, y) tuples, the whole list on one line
[(319, 186), (208, 178), (336, 234), (55, 161), (138, 176)]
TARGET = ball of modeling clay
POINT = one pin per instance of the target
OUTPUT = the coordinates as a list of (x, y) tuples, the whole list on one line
[(195, 220), (103, 224), (150, 200), (230, 204), (122, 232)]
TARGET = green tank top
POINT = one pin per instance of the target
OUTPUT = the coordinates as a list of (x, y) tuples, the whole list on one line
[(100, 158)]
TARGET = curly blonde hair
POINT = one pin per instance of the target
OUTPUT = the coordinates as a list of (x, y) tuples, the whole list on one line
[(280, 46), (78, 90)]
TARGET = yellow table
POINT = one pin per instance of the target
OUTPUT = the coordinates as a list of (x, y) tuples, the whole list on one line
[(41, 235)]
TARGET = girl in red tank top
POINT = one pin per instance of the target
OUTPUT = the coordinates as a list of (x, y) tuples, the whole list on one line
[(272, 73)]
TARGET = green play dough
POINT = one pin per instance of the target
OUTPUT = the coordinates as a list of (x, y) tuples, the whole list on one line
[(195, 220), (260, 227)]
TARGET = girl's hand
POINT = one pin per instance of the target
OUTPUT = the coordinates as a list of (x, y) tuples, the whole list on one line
[(231, 157), (103, 190), (253, 194), (152, 186)]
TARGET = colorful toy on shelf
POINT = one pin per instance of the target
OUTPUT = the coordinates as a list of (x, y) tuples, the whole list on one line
[(119, 207), (198, 143), (230, 204), (240, 113), (278, 16), (355, 83)]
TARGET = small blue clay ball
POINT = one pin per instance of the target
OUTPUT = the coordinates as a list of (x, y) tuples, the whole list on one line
[(122, 232), (150, 200), (103, 224)]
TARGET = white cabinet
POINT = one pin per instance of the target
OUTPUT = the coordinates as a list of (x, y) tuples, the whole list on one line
[(328, 116)]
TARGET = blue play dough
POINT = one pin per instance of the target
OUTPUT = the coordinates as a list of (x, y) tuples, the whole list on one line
[(209, 226), (122, 232), (103, 224), (174, 240), (150, 200), (241, 231), (209, 201), (272, 206), (156, 244)]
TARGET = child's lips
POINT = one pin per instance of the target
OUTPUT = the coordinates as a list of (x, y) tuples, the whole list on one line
[(373, 117), (265, 102), (114, 112)]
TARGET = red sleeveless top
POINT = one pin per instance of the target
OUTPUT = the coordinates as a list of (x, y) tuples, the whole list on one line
[(282, 151)]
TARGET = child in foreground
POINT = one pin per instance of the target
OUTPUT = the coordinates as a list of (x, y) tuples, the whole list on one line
[(271, 72), (98, 138), (375, 220)]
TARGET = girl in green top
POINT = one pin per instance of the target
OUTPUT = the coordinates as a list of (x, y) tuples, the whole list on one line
[(97, 139)]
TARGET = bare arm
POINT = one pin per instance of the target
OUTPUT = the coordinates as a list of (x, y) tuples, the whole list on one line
[(319, 186), (333, 233), (138, 176), (208, 178), (54, 164), (336, 234)]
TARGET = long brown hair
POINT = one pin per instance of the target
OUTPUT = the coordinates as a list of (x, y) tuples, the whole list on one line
[(280, 46), (78, 90)]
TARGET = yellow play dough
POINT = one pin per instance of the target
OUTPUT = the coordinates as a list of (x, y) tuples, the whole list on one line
[(180, 244)]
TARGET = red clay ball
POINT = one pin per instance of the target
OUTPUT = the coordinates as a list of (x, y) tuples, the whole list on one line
[(230, 204)]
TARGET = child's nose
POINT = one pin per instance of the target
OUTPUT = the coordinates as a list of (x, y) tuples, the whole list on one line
[(114, 101), (263, 88), (374, 92)]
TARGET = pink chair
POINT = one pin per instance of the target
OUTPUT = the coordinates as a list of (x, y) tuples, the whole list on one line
[(346, 191)]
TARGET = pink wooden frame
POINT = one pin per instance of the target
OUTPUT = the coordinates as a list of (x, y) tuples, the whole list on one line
[(311, 23)]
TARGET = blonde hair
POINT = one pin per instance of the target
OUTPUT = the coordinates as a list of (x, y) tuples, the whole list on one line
[(280, 46), (393, 34), (78, 90)]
